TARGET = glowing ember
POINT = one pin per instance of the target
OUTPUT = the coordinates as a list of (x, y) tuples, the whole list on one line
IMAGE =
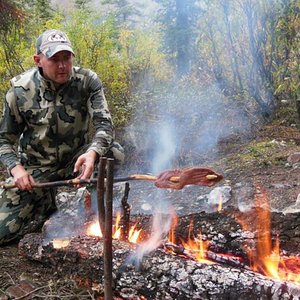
[(57, 243), (94, 230)]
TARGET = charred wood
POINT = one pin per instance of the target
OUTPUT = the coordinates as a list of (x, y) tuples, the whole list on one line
[(160, 275), (125, 219), (225, 231)]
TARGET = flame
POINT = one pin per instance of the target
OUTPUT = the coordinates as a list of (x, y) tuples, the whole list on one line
[(133, 236), (174, 224), (220, 204), (117, 228), (94, 230), (197, 247), (265, 257)]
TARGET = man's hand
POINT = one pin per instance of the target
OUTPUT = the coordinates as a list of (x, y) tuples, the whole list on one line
[(22, 179), (86, 162)]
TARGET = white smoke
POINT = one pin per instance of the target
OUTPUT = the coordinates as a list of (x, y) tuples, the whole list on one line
[(161, 225)]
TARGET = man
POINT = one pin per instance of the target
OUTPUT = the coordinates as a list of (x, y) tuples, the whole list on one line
[(47, 113)]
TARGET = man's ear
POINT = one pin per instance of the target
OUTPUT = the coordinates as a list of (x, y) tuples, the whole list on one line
[(37, 60)]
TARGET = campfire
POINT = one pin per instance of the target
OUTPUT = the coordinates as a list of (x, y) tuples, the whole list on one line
[(226, 254), (95, 230)]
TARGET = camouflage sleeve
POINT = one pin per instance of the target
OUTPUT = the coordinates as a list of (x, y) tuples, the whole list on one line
[(10, 125), (101, 117)]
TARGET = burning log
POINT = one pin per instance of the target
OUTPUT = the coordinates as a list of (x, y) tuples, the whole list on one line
[(225, 230), (232, 245), (160, 275)]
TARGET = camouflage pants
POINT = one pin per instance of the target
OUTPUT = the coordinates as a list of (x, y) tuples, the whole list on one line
[(26, 211)]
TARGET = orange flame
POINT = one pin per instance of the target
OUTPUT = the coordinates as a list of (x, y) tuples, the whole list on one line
[(197, 248), (94, 230), (220, 204), (265, 257), (133, 236), (172, 238), (117, 228)]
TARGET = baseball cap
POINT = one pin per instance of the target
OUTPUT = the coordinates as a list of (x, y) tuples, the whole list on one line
[(52, 41)]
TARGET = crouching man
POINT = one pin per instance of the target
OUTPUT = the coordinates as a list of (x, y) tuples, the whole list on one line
[(47, 115)]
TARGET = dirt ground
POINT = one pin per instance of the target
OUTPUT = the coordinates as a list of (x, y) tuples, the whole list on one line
[(262, 161)]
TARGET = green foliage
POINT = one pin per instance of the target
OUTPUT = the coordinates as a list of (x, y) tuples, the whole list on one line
[(287, 66), (17, 44), (261, 153), (247, 49), (178, 21), (124, 59), (123, 11), (82, 4)]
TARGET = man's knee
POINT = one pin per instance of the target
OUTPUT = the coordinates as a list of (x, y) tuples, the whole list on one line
[(23, 212), (9, 228)]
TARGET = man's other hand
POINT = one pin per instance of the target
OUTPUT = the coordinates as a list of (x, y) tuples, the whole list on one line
[(85, 163)]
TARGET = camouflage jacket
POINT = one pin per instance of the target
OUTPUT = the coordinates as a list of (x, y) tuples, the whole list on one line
[(50, 125)]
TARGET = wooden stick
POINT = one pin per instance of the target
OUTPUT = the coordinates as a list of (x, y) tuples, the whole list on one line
[(76, 182), (100, 193), (125, 219), (108, 294)]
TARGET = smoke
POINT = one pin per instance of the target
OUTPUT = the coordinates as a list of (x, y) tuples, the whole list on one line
[(184, 129), (162, 221), (165, 151), (179, 130)]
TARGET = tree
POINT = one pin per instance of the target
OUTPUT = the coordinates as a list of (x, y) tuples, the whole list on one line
[(18, 31), (178, 19), (237, 50), (82, 4), (286, 62), (124, 12), (11, 20), (10, 15)]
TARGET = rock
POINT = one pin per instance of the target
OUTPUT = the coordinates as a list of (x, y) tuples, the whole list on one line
[(294, 158), (221, 192)]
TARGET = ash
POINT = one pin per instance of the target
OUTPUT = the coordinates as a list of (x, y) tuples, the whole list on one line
[(160, 275)]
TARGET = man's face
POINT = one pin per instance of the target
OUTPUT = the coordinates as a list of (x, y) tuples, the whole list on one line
[(57, 68)]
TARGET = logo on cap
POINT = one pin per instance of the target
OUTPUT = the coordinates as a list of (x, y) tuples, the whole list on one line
[(53, 41), (57, 37)]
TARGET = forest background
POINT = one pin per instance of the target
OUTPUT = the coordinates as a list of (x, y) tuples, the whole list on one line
[(178, 74)]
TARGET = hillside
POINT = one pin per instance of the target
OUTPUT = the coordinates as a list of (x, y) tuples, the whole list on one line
[(262, 161)]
